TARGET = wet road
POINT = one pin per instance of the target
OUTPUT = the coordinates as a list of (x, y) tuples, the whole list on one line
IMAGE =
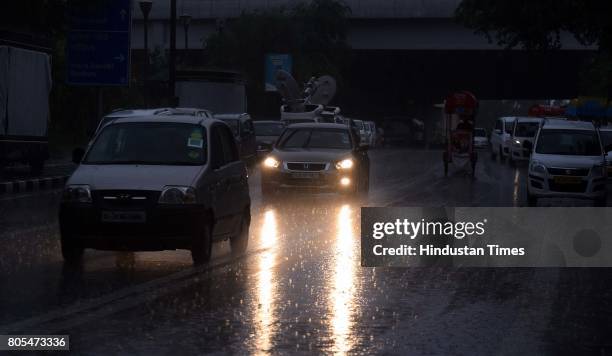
[(300, 287)]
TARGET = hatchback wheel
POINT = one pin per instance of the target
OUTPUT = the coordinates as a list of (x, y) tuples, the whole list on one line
[(201, 246), (240, 241), (71, 253)]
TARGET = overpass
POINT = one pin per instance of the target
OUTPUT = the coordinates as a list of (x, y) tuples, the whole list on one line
[(402, 50)]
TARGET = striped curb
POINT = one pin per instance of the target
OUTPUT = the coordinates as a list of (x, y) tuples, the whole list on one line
[(32, 185)]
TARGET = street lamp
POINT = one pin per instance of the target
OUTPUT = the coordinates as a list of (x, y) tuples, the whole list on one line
[(186, 19), (145, 8)]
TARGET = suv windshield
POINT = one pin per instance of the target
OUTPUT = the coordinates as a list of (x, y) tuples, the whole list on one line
[(315, 138), (526, 129), (568, 142), (268, 128), (139, 143)]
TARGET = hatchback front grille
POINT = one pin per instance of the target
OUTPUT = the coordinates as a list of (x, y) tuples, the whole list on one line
[(575, 172), (306, 166)]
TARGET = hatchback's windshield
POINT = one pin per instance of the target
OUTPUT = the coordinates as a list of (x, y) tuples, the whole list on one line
[(480, 133), (316, 138), (149, 143), (526, 129), (568, 142), (268, 128), (508, 127)]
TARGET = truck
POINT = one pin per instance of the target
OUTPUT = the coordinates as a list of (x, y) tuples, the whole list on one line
[(25, 84)]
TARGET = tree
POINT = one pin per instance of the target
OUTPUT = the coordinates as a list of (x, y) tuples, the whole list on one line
[(313, 32), (539, 25)]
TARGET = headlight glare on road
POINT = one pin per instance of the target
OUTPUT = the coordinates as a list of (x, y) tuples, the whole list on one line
[(172, 194), (77, 193), (537, 167), (271, 162), (345, 164)]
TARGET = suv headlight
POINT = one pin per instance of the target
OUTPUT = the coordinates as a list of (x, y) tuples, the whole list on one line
[(345, 164), (77, 193), (517, 143), (537, 167), (271, 162), (172, 194)]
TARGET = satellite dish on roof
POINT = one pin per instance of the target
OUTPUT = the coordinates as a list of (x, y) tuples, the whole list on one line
[(287, 86), (323, 91)]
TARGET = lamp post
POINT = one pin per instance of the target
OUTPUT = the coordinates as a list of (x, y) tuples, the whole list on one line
[(145, 8), (186, 19)]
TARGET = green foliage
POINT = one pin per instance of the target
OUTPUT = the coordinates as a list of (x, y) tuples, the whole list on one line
[(313, 32), (539, 24)]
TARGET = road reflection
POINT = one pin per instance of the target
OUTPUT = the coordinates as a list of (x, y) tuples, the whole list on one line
[(343, 289), (515, 192), (265, 283)]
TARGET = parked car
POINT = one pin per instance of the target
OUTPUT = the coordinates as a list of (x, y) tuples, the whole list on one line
[(480, 138), (266, 133), (568, 162), (244, 132), (130, 192), (326, 157), (500, 137), (524, 131)]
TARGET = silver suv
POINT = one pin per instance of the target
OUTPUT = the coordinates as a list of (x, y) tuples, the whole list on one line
[(568, 162), (130, 192)]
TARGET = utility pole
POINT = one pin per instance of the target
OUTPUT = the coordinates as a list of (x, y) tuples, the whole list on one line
[(172, 59)]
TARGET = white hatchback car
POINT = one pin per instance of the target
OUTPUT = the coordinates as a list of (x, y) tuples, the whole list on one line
[(500, 137), (568, 162)]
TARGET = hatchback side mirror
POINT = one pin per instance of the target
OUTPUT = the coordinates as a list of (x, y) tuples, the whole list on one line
[(77, 155)]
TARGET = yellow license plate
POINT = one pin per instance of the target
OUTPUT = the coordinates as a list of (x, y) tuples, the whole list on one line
[(567, 180)]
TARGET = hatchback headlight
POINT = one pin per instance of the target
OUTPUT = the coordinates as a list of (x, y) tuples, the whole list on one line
[(537, 167), (345, 164), (172, 194), (77, 193)]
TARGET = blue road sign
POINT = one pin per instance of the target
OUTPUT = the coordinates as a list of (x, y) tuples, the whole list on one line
[(273, 63), (98, 47)]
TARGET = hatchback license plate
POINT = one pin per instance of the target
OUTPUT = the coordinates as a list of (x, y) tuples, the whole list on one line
[(567, 180), (305, 175), (124, 216)]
